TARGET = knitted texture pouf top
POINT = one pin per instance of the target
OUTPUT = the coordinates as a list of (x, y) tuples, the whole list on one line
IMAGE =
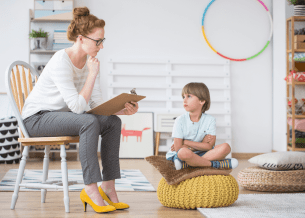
[(201, 191)]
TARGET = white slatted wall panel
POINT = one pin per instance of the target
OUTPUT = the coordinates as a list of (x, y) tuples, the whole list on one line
[(162, 80)]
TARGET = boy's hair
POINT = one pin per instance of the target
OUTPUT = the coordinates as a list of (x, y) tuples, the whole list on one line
[(201, 91)]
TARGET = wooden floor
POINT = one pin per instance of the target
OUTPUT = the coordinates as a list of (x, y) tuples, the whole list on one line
[(142, 204)]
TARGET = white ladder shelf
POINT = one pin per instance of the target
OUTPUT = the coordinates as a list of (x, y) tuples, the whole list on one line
[(162, 80)]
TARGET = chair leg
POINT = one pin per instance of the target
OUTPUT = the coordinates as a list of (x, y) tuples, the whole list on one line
[(25, 154), (77, 148), (45, 172), (64, 172), (157, 143)]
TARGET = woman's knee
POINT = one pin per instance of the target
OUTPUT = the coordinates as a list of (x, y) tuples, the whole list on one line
[(184, 154), (115, 121), (91, 121)]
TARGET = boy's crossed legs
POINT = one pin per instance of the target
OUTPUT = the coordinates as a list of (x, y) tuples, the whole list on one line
[(214, 157)]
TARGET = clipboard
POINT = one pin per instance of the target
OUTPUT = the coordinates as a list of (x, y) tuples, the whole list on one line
[(115, 104)]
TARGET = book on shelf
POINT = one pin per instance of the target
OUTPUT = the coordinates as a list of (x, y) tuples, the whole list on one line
[(58, 41), (60, 34), (60, 37), (59, 46), (60, 31)]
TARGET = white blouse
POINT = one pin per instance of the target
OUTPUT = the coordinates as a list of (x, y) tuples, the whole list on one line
[(58, 88)]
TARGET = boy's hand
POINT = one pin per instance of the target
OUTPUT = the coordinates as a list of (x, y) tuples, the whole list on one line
[(172, 147), (208, 138)]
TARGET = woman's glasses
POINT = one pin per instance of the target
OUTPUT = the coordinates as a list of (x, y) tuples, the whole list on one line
[(98, 42)]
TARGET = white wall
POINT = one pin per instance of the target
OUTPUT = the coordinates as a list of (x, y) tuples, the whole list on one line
[(281, 11), (172, 29), (13, 41)]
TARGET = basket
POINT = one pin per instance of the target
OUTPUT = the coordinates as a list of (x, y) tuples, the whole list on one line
[(259, 179)]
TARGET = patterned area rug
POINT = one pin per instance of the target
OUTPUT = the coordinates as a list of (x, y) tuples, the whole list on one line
[(261, 205), (131, 180)]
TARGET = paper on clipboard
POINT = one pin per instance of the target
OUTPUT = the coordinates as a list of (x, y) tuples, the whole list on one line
[(115, 104)]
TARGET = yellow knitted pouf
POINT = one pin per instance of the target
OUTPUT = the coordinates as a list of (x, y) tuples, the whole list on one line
[(201, 191)]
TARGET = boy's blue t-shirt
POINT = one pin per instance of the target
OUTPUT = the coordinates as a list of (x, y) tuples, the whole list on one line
[(184, 128)]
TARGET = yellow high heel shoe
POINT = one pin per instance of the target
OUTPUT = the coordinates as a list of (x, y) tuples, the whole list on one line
[(118, 206), (99, 209)]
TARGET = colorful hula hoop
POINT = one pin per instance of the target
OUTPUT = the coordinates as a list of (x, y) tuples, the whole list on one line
[(232, 59)]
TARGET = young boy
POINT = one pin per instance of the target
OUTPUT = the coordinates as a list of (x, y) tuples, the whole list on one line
[(194, 133)]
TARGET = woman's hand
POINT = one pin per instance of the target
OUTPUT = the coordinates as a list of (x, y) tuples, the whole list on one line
[(93, 65), (130, 108)]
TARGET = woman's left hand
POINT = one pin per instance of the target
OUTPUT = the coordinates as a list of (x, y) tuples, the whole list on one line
[(131, 108)]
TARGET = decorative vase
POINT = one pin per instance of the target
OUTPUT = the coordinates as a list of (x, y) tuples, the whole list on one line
[(299, 10), (40, 43)]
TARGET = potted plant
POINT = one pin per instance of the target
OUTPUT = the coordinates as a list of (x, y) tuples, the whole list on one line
[(299, 7), (39, 39)]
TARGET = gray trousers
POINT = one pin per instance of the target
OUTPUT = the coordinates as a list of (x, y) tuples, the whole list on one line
[(88, 127)]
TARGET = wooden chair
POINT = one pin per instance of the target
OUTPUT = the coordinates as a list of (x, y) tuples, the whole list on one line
[(17, 93)]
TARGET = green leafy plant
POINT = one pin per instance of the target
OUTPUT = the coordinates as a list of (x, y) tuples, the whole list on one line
[(37, 34), (296, 2)]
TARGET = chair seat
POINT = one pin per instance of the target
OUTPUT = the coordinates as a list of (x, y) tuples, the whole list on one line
[(62, 140)]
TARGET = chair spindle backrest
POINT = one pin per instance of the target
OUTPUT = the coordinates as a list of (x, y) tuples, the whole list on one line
[(21, 90), (19, 85)]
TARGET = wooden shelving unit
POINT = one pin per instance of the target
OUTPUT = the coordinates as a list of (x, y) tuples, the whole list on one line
[(42, 51), (33, 20), (291, 65)]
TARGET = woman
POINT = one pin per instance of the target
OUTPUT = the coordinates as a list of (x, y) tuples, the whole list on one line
[(67, 86)]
